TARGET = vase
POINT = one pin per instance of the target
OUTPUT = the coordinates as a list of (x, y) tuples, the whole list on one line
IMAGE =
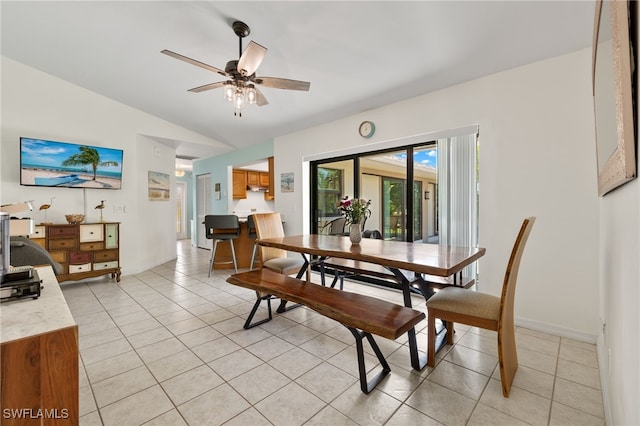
[(355, 233)]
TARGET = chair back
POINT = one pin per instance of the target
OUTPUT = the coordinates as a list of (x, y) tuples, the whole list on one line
[(251, 227), (221, 227), (269, 225), (336, 226), (372, 233), (511, 275)]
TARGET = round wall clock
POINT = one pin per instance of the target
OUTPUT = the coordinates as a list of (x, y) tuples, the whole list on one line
[(367, 129)]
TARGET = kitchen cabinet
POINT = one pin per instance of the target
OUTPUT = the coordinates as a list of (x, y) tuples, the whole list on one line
[(264, 179), (253, 178), (239, 184), (270, 194)]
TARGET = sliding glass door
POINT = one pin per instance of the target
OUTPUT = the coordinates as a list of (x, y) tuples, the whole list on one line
[(394, 207), (333, 180), (398, 211)]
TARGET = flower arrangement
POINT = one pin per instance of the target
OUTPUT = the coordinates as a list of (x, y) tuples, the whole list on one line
[(355, 210)]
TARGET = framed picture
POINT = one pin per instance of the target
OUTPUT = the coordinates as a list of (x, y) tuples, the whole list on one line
[(158, 186), (286, 182), (613, 95)]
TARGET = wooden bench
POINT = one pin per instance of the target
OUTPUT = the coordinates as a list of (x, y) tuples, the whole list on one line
[(344, 267), (363, 315)]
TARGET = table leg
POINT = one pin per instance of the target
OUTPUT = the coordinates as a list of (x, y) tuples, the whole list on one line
[(418, 361)]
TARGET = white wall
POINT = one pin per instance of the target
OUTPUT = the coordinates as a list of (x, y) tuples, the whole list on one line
[(619, 279), (537, 157), (38, 105)]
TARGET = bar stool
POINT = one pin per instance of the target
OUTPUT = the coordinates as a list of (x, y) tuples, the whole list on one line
[(222, 228), (253, 234)]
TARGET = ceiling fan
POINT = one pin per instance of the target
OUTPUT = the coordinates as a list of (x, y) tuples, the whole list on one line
[(240, 86)]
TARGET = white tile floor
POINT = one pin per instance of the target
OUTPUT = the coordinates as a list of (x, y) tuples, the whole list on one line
[(167, 347)]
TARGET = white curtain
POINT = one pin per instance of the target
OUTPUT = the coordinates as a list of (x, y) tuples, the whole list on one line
[(457, 193)]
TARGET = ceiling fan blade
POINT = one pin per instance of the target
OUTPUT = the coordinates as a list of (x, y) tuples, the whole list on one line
[(260, 98), (207, 87), (251, 59), (194, 62), (283, 83)]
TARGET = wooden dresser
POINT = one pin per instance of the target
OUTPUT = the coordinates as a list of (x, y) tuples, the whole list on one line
[(84, 250), (39, 359)]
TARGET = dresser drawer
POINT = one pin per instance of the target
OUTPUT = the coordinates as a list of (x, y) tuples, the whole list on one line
[(42, 242), (112, 235), (39, 231), (91, 233), (79, 257), (59, 256), (105, 265), (62, 244), (74, 269), (105, 256), (55, 231), (98, 245)]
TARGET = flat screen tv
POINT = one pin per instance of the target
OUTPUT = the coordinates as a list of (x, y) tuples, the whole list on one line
[(63, 164)]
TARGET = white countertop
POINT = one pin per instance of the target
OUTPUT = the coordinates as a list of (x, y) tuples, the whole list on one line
[(27, 317)]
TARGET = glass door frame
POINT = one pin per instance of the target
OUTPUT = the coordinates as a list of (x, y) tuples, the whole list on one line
[(409, 167)]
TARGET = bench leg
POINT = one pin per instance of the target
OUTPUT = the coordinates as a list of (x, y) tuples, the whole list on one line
[(365, 385), (247, 323), (283, 303)]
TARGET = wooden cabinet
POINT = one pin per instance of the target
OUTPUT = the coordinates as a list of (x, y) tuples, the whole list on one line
[(244, 178), (270, 194), (264, 179), (39, 359), (253, 177), (84, 250), (239, 184)]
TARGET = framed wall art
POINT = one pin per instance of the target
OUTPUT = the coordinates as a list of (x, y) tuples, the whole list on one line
[(613, 95), (159, 186)]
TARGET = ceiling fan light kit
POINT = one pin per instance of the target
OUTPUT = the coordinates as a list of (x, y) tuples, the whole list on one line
[(240, 86)]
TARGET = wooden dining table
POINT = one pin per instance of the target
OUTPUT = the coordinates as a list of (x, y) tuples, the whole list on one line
[(397, 257)]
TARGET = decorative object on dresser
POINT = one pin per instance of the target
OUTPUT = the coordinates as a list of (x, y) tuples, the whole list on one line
[(46, 207), (74, 218), (83, 250), (101, 207)]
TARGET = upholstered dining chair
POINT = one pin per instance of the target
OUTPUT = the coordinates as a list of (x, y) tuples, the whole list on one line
[(482, 310), (269, 225), (220, 228)]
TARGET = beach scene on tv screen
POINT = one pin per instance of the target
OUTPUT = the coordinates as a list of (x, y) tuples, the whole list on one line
[(62, 164)]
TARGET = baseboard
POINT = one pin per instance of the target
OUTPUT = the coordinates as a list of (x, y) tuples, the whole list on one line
[(556, 330)]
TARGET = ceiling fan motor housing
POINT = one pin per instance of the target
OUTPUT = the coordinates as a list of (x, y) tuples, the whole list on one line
[(232, 70), (241, 29)]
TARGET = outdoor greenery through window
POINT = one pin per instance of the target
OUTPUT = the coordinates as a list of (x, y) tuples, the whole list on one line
[(329, 190)]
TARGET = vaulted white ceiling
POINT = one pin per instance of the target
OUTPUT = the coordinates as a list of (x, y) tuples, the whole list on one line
[(357, 55)]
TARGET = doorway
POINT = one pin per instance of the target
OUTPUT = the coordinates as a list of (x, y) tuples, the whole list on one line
[(203, 206), (181, 210)]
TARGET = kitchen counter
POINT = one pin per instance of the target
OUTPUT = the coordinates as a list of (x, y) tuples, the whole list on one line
[(39, 358)]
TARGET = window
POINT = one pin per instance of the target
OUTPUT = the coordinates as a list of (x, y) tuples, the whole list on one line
[(330, 184)]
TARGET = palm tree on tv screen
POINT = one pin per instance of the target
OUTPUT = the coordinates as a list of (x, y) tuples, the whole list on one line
[(88, 156)]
